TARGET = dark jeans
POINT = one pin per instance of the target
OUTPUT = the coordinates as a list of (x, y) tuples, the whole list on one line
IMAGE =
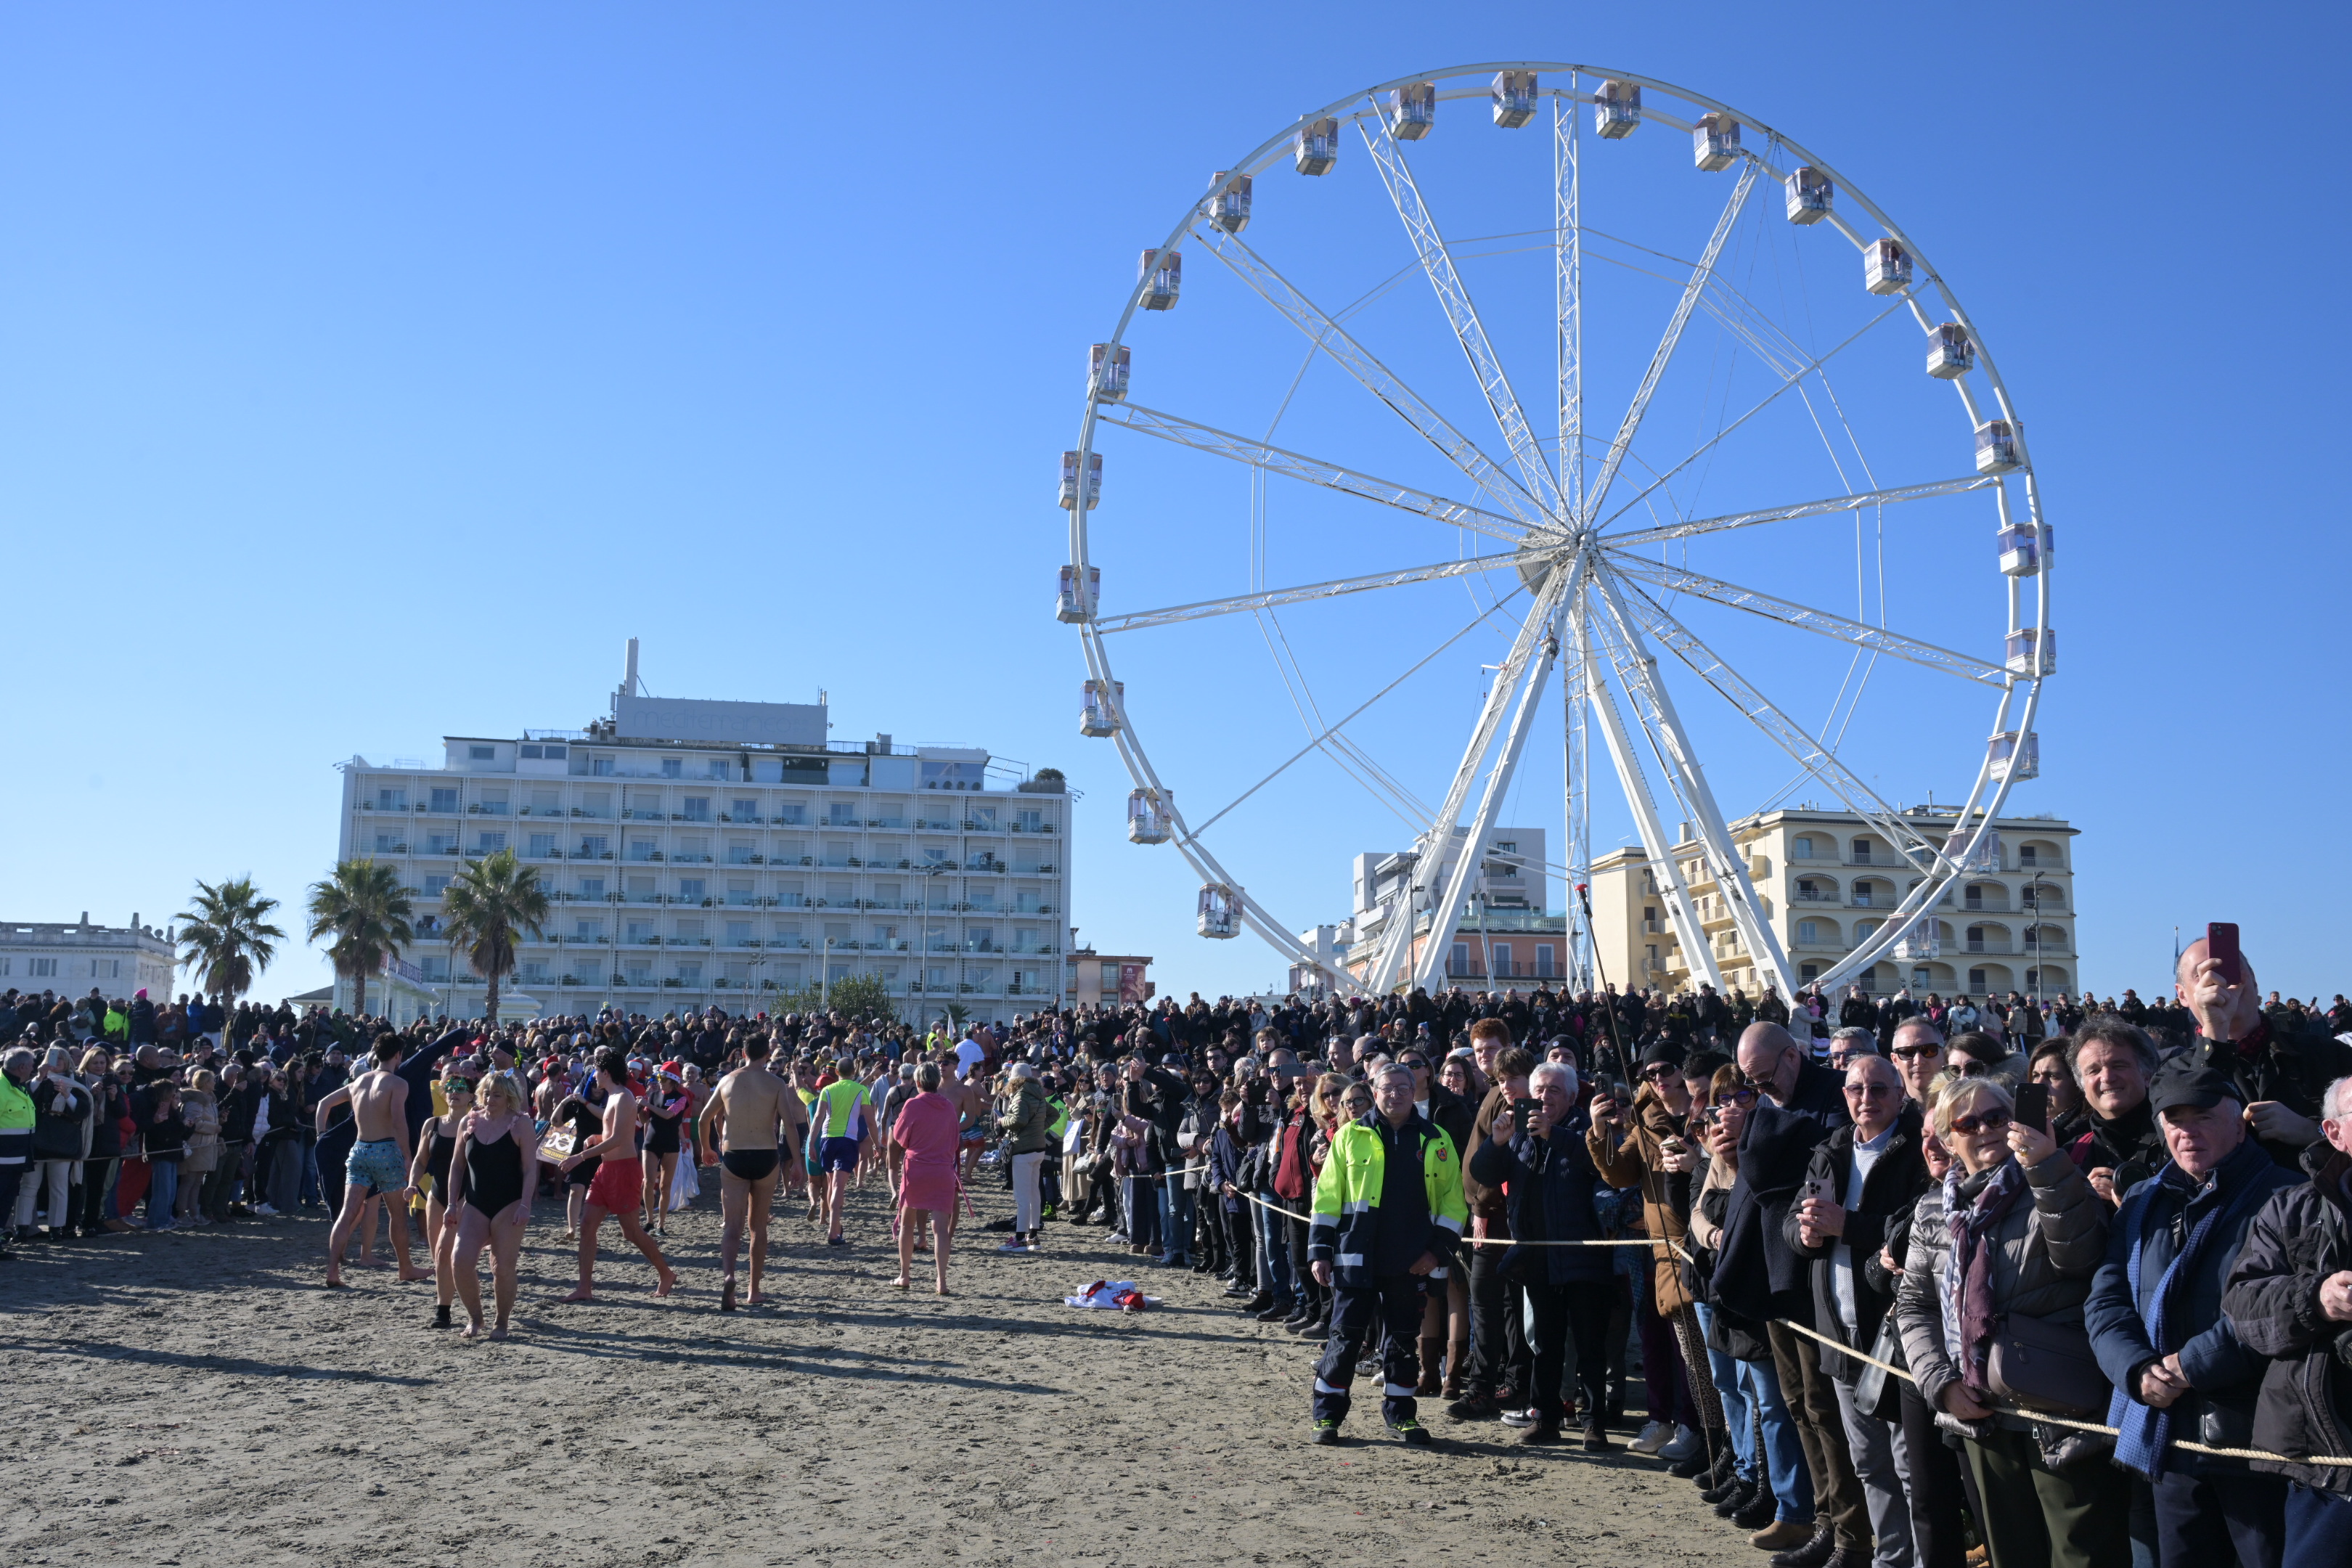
[(2210, 1521), (1238, 1235), (1499, 1358), (95, 1175), (1668, 1395), (213, 1200), (1176, 1217), (1143, 1211), (1392, 1308), (1574, 1314), (2318, 1527), (1936, 1493)]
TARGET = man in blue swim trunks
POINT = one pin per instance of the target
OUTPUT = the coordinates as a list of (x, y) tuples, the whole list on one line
[(838, 1119), (378, 1165)]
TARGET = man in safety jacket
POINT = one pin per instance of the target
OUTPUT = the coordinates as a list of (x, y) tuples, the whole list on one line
[(1388, 1211)]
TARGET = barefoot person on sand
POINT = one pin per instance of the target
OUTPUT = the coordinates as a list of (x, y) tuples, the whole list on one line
[(436, 1143), (926, 1129), (493, 1178), (742, 1123), (615, 1190), (378, 1162)]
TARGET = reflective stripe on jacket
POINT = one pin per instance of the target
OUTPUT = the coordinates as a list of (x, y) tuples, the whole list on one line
[(1345, 1211)]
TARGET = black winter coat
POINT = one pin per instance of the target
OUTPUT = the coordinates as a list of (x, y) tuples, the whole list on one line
[(1548, 1186), (1889, 1194), (1758, 1274), (2300, 1238)]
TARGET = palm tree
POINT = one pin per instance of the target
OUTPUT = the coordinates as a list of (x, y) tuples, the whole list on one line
[(226, 936), (365, 909), (487, 905)]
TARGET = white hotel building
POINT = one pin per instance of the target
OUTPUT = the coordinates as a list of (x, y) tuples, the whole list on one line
[(705, 853)]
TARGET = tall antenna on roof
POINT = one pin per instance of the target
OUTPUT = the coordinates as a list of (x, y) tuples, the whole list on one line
[(629, 686)]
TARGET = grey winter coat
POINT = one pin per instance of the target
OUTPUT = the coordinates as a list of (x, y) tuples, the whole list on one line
[(2045, 1253)]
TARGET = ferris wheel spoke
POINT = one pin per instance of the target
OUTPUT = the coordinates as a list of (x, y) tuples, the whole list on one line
[(1664, 866), (1272, 598), (1461, 313), (1693, 527), (1877, 639), (1788, 379), (1816, 758), (1637, 671), (1331, 731), (1632, 426), (1434, 847), (1376, 378), (1312, 470), (1568, 299)]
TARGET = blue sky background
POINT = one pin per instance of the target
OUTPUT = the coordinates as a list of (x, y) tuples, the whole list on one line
[(366, 377)]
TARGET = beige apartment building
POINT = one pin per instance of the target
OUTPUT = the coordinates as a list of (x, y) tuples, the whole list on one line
[(1826, 881)]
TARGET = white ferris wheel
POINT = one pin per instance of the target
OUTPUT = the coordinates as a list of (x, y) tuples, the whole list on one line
[(1750, 463)]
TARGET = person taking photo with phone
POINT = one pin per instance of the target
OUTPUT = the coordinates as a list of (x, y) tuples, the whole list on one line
[(2282, 1077)]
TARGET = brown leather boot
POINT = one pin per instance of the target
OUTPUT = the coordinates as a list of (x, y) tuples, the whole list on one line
[(1431, 1350), (1457, 1361)]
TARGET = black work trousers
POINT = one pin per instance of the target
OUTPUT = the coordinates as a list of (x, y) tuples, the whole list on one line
[(1390, 1306), (1499, 1357), (1566, 1315)]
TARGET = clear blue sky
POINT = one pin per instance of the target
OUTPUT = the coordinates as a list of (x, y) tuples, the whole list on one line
[(369, 377)]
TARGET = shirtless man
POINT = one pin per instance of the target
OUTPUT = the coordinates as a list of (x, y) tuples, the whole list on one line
[(970, 1095), (742, 1123), (615, 1190), (378, 1163)]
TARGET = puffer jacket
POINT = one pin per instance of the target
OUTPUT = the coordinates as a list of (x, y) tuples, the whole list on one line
[(1027, 1121), (2300, 1238), (61, 1128), (2044, 1254), (1633, 1160), (203, 1113)]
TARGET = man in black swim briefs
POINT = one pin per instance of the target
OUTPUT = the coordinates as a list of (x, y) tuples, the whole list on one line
[(744, 1114)]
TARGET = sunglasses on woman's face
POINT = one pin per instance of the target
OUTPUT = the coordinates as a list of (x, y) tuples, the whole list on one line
[(1657, 1072), (1737, 1097), (1989, 1120)]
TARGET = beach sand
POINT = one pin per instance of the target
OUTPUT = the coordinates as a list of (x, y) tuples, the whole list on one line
[(194, 1399)]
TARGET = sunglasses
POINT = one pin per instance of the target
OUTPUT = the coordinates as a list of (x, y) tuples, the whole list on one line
[(1991, 1120), (1737, 1097), (1657, 1072), (457, 1086), (1910, 1053)]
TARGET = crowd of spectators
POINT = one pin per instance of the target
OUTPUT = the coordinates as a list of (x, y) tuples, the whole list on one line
[(1903, 1280)]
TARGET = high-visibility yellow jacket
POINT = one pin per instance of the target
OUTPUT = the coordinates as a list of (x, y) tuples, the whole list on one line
[(1347, 1204)]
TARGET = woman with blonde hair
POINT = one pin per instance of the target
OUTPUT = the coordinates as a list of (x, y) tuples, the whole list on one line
[(2011, 1235), (493, 1176), (202, 1107)]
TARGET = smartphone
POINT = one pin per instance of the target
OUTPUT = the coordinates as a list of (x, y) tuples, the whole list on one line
[(2222, 945), (2034, 1106), (1521, 1110), (1816, 1190)]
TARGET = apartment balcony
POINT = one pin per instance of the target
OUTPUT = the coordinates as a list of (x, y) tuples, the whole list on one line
[(727, 816), (685, 859), (487, 808), (1041, 827), (436, 811), (744, 858), (1980, 944), (974, 825), (593, 816)]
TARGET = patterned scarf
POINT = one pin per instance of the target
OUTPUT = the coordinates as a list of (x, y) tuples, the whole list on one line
[(1974, 1207)]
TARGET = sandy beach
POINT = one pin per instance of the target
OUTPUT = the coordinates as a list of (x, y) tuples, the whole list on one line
[(195, 1398)]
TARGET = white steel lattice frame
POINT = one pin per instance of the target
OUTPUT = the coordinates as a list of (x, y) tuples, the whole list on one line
[(1594, 610)]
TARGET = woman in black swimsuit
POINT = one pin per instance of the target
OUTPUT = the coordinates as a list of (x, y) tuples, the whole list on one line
[(493, 1178), (436, 1141), (665, 1106), (586, 1121)]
